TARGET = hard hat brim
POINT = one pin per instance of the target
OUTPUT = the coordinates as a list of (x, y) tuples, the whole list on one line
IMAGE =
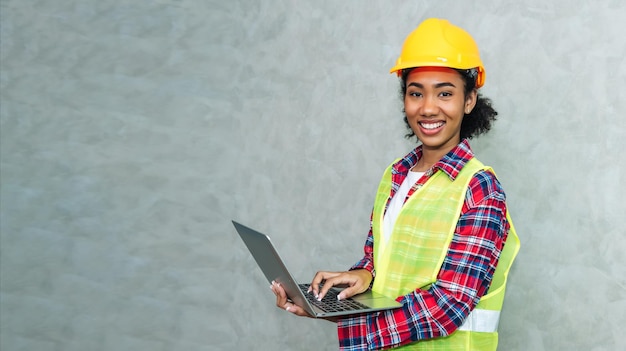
[(480, 79)]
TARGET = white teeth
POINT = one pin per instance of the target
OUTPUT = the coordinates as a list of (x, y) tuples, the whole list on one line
[(431, 125)]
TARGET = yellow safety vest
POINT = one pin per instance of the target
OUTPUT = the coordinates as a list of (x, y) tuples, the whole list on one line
[(419, 243)]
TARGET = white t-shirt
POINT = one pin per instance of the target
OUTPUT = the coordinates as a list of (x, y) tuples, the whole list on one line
[(396, 203)]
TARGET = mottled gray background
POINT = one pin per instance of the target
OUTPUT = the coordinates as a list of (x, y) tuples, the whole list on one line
[(134, 131)]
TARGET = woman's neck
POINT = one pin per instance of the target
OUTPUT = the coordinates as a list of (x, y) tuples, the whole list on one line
[(429, 158)]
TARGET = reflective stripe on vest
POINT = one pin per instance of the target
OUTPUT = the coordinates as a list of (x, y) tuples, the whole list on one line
[(483, 321)]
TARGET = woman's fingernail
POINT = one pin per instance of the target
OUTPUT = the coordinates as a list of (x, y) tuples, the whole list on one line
[(339, 297)]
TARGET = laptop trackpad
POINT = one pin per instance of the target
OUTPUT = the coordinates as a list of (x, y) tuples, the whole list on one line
[(374, 300)]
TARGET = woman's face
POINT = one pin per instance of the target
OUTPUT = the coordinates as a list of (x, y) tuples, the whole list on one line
[(435, 104)]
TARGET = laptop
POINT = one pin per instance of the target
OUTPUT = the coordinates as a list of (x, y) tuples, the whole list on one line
[(272, 265)]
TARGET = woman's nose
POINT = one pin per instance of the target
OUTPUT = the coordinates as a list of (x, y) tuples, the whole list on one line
[(429, 107)]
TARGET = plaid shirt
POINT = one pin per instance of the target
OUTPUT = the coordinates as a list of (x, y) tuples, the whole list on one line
[(464, 277)]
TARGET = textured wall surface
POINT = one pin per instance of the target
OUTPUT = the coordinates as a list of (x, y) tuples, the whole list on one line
[(132, 132)]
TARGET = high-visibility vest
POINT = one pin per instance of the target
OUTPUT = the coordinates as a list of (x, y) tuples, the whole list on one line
[(420, 240)]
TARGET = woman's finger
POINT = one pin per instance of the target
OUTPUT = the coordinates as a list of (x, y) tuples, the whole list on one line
[(320, 277), (281, 295)]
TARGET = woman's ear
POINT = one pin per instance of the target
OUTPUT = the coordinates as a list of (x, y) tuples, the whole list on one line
[(470, 101)]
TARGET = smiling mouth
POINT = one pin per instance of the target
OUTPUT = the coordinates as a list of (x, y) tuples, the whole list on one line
[(431, 125)]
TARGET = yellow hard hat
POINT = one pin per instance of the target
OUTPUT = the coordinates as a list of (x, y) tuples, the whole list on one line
[(437, 42)]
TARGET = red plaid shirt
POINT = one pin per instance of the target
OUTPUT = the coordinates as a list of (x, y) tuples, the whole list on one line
[(464, 277)]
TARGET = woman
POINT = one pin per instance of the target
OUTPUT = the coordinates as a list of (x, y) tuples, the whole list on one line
[(440, 222)]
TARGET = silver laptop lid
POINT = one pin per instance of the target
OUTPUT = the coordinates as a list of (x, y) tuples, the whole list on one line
[(271, 264)]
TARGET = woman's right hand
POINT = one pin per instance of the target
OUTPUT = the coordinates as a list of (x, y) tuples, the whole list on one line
[(283, 302)]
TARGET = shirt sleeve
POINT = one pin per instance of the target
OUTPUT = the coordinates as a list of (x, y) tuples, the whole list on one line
[(464, 277)]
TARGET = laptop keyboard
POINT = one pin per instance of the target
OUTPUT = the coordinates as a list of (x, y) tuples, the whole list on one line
[(330, 303)]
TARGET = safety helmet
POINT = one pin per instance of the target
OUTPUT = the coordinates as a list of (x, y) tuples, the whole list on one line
[(437, 42)]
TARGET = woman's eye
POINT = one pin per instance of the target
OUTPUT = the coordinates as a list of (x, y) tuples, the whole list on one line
[(445, 94), (415, 94)]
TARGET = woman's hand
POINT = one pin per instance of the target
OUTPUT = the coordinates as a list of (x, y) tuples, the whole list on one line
[(283, 302), (357, 281)]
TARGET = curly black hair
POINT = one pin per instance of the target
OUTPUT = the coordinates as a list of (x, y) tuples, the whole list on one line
[(476, 122)]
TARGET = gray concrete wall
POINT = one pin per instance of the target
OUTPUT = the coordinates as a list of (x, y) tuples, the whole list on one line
[(132, 132)]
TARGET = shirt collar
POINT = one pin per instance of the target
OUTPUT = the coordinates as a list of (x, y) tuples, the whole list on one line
[(451, 163)]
